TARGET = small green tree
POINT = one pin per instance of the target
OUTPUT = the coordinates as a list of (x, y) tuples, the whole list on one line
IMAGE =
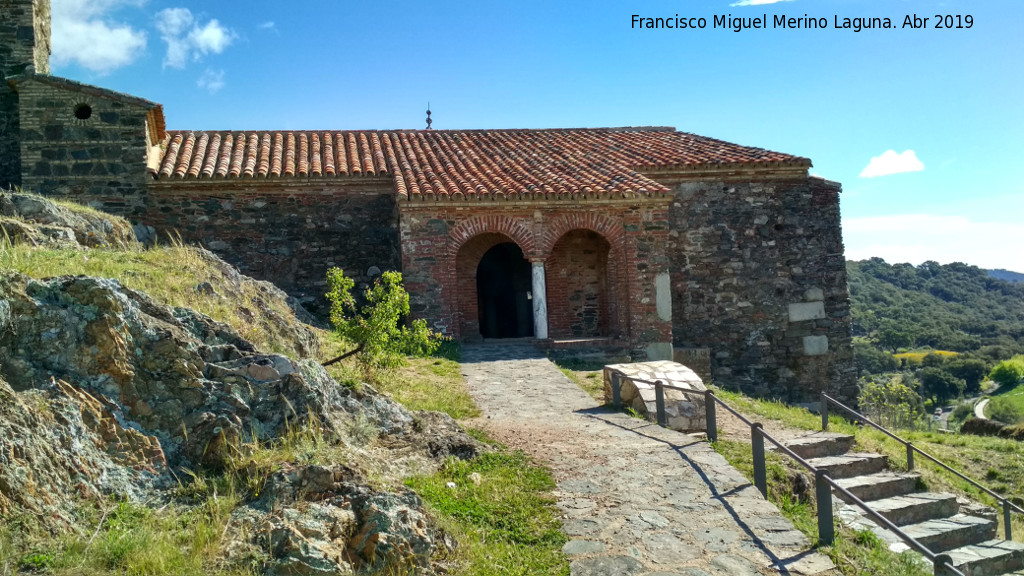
[(890, 403), (378, 327)]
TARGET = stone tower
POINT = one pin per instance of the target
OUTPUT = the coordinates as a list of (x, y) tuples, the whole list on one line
[(24, 48)]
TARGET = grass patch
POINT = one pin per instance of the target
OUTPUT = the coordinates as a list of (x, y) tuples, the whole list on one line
[(587, 374), (126, 538), (432, 383), (1007, 404), (854, 552), (501, 512), (170, 275)]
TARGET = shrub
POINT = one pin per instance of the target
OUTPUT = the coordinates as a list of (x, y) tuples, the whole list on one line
[(1008, 372)]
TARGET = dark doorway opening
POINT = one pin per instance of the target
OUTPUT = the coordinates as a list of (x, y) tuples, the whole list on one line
[(503, 283)]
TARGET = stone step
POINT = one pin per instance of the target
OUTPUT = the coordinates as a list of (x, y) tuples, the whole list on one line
[(916, 508), (851, 464), (880, 485), (944, 534), (988, 558), (821, 444)]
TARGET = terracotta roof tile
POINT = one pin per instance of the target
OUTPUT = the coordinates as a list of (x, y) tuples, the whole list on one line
[(464, 164)]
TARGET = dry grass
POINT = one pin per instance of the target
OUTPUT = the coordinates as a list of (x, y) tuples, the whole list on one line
[(170, 275)]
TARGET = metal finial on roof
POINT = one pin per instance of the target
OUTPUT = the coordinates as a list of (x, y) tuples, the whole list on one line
[(429, 121)]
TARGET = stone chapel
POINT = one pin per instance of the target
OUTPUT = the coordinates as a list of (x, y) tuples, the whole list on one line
[(640, 241)]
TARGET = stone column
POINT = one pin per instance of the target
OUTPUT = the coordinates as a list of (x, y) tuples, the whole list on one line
[(540, 301)]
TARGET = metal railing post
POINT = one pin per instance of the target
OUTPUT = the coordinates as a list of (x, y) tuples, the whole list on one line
[(760, 468), (941, 564), (1008, 531), (823, 500), (910, 456), (659, 399), (616, 390), (824, 412), (712, 418)]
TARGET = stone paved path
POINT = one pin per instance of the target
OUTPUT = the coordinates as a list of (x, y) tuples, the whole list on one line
[(637, 500)]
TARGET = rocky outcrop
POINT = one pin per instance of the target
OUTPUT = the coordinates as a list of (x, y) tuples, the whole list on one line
[(108, 392), (37, 221), (59, 444)]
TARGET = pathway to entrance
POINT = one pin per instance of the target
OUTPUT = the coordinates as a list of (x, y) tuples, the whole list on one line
[(637, 499)]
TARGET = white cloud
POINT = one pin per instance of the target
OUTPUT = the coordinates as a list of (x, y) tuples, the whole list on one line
[(186, 39), (757, 2), (211, 80), (83, 33), (892, 163), (916, 238), (212, 38), (268, 25)]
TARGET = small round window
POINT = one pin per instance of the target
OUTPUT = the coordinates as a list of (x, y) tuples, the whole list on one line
[(83, 111)]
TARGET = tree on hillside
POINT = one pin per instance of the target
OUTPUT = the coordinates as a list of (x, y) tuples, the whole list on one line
[(971, 370), (940, 385), (871, 360), (378, 327), (894, 339)]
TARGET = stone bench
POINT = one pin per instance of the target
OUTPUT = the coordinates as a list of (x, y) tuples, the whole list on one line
[(684, 412)]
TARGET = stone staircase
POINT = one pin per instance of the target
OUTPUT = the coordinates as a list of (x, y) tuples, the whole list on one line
[(941, 522)]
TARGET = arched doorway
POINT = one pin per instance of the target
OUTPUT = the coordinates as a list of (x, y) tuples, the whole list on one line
[(503, 283)]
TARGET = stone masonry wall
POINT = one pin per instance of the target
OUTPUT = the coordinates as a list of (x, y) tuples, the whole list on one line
[(99, 160), (286, 233), (10, 137), (759, 277), (434, 234), (24, 41)]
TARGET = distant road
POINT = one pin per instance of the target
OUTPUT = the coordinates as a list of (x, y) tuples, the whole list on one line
[(979, 409)]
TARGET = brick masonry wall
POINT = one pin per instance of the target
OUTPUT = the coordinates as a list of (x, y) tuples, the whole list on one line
[(289, 233), (442, 242), (99, 161), (759, 277), (578, 280)]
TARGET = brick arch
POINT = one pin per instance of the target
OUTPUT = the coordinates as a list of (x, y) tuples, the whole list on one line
[(611, 228), (562, 302), (465, 313), (515, 229)]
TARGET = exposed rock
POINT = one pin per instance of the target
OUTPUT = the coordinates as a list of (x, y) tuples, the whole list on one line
[(60, 444), (110, 391), (982, 427), (683, 411), (54, 223)]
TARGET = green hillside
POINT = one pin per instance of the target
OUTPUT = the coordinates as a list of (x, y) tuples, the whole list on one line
[(952, 307)]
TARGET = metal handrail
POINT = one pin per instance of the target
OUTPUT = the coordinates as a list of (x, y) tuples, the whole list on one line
[(1007, 505), (942, 563), (937, 560)]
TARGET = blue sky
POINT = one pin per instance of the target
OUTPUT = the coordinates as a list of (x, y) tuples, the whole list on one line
[(923, 127)]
